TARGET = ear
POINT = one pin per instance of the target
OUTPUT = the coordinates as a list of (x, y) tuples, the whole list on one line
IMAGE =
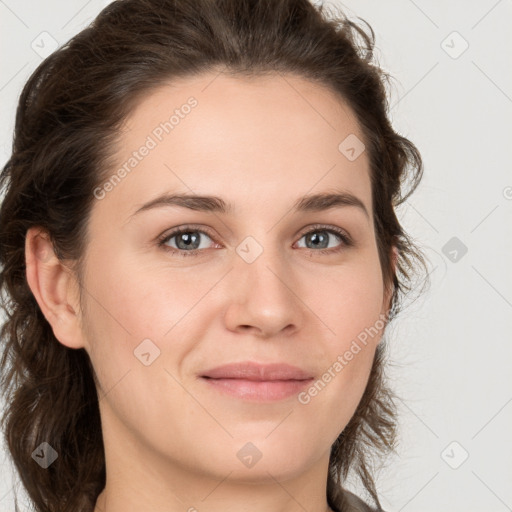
[(55, 288), (388, 291)]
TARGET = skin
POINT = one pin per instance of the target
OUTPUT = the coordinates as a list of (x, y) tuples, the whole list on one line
[(171, 441)]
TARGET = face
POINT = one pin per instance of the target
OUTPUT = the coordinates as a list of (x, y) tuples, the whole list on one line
[(269, 278)]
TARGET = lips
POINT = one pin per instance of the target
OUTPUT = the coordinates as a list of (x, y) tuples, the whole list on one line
[(256, 382), (258, 372)]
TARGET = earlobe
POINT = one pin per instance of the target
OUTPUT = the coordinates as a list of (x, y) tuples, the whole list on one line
[(54, 288)]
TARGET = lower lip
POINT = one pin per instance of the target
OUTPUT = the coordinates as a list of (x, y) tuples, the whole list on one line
[(258, 390)]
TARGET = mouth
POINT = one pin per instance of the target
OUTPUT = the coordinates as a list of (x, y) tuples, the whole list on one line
[(258, 390), (257, 382), (251, 370)]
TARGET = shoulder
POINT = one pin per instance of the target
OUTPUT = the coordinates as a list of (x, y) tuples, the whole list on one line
[(356, 504)]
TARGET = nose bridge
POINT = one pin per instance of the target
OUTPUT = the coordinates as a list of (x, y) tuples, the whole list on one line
[(260, 263), (261, 293)]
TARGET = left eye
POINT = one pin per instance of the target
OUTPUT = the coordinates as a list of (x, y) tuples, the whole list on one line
[(320, 237)]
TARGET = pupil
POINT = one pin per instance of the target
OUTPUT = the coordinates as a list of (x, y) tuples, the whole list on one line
[(188, 240), (315, 239)]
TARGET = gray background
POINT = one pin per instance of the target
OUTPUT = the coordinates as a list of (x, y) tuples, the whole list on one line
[(450, 349)]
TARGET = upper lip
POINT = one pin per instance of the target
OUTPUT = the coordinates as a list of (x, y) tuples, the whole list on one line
[(258, 372)]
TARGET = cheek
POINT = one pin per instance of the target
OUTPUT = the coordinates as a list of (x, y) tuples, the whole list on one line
[(137, 302), (349, 305), (128, 305), (348, 301)]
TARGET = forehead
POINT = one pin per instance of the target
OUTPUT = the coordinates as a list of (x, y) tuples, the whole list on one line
[(253, 140)]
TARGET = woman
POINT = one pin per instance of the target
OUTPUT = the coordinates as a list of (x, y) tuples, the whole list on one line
[(201, 255)]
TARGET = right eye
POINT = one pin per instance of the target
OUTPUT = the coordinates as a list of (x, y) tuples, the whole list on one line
[(188, 241)]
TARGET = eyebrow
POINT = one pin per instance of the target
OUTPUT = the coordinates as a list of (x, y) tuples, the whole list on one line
[(308, 203)]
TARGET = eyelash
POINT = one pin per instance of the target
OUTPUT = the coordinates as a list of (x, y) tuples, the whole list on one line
[(163, 239)]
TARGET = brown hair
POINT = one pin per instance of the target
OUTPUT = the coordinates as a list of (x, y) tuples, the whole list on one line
[(67, 122)]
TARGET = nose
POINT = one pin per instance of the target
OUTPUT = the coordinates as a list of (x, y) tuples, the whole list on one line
[(264, 296)]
